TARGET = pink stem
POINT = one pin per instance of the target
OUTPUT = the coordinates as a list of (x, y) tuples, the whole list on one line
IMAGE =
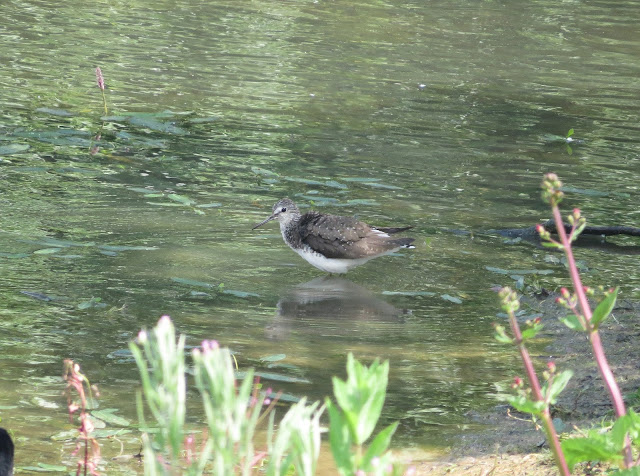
[(552, 436), (594, 336)]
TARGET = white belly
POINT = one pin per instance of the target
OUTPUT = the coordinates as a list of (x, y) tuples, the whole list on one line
[(332, 265)]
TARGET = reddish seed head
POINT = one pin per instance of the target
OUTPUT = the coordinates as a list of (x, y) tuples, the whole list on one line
[(540, 228), (537, 320), (99, 78), (551, 366), (565, 293)]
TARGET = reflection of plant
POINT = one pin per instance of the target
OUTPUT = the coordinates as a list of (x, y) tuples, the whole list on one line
[(614, 445), (77, 381), (234, 410)]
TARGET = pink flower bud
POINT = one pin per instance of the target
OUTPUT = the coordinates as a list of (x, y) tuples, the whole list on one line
[(209, 345), (142, 337), (99, 78), (551, 366)]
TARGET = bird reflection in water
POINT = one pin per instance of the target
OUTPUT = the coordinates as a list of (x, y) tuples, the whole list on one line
[(332, 307)]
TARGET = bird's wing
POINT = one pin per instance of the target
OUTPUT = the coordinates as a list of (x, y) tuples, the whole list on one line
[(333, 236)]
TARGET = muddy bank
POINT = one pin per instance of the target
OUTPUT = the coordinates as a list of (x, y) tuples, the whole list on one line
[(513, 446)]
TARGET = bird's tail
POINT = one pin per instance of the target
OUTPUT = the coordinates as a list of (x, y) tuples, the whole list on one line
[(391, 231)]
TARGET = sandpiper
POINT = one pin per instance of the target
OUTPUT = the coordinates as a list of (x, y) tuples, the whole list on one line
[(332, 243)]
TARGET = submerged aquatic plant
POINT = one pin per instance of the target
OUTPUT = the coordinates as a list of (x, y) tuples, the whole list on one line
[(76, 382)]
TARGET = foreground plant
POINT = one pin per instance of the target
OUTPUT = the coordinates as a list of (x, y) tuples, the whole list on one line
[(77, 402), (160, 360), (537, 399), (352, 420), (235, 410), (613, 445), (583, 318)]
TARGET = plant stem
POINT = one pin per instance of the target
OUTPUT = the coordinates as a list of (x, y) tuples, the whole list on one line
[(549, 429), (594, 336), (104, 103)]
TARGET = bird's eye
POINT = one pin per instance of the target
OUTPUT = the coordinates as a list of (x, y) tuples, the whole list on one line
[(284, 209)]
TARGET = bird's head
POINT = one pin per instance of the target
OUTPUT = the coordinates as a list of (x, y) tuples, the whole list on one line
[(284, 211)]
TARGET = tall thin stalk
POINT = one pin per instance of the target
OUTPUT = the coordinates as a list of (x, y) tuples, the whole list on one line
[(511, 304), (100, 81), (553, 194)]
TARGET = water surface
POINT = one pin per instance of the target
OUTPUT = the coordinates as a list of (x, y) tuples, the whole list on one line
[(439, 115)]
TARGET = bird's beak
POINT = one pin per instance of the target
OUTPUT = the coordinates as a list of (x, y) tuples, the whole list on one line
[(272, 217)]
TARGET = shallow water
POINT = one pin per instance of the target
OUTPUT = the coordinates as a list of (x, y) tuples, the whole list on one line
[(439, 115)]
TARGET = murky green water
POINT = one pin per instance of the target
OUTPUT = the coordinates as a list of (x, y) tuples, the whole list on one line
[(437, 114)]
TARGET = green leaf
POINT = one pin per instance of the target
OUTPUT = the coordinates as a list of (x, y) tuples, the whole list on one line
[(192, 282), (379, 445), (453, 299), (570, 133), (503, 338), (340, 440), (593, 448), (558, 384), (45, 468), (127, 248), (604, 309), (47, 251), (273, 358), (274, 376), (572, 322), (627, 424), (180, 198), (13, 149), (240, 294), (525, 405), (634, 471), (531, 332), (110, 418)]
